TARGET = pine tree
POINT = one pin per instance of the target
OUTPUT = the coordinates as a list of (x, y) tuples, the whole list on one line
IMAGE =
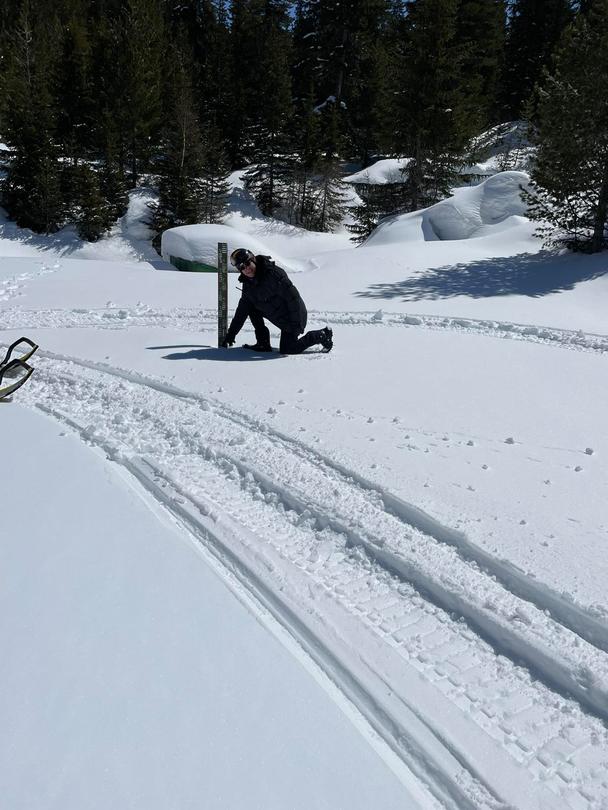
[(181, 162), (366, 215), (571, 173), (299, 199), (329, 199), (480, 37), (216, 80), (94, 215), (432, 128), (266, 127), (31, 190), (366, 86), (76, 110), (535, 27), (113, 183), (140, 110), (214, 183), (342, 49)]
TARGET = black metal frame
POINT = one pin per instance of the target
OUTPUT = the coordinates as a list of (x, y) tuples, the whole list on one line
[(10, 366), (33, 346)]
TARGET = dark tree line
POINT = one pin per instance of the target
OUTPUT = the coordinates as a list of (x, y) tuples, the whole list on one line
[(97, 94)]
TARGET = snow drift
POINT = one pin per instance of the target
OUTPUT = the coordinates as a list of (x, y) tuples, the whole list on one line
[(470, 212), (198, 243)]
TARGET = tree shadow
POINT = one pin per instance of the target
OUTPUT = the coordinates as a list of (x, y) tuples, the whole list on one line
[(532, 275), (238, 355)]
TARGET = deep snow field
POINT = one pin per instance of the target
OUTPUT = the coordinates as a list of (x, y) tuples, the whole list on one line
[(369, 578)]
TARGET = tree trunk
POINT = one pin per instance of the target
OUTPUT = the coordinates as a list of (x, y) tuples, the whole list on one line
[(601, 214)]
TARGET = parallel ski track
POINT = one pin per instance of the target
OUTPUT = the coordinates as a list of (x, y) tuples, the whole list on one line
[(194, 319), (430, 624)]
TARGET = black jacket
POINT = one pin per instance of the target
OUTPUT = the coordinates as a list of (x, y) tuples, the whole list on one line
[(271, 292)]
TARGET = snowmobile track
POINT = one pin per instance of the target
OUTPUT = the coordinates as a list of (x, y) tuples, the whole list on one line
[(386, 607)]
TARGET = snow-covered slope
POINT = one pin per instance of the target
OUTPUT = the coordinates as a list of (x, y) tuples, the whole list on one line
[(418, 517)]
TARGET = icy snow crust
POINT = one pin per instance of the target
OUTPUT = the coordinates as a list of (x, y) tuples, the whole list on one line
[(421, 512)]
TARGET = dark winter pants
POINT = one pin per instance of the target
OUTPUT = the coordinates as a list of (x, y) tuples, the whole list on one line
[(290, 342)]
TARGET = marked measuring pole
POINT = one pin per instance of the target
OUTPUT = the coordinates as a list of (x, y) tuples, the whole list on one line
[(222, 292)]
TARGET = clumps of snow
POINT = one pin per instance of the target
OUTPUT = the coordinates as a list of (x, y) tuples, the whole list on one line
[(198, 243)]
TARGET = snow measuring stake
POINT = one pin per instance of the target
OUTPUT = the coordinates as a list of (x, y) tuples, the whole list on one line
[(222, 291)]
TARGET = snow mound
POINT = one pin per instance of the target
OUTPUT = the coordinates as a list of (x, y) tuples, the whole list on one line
[(496, 204), (198, 243), (380, 173)]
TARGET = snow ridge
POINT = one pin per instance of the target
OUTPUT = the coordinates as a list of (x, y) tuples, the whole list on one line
[(111, 317), (386, 606)]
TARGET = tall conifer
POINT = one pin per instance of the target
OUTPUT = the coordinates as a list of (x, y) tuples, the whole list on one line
[(32, 189), (480, 36), (140, 111), (571, 171), (180, 163), (432, 126), (535, 27)]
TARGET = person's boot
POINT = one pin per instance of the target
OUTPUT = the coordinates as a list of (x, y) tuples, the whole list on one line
[(327, 339), (258, 347)]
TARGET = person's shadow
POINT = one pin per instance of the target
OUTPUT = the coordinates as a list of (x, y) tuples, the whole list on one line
[(234, 354)]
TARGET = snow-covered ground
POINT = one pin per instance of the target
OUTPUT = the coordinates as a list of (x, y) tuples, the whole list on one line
[(374, 577)]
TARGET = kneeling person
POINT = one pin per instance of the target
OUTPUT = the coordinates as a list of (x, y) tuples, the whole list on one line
[(268, 293)]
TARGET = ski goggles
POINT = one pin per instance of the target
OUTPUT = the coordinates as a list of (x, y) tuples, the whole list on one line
[(241, 258)]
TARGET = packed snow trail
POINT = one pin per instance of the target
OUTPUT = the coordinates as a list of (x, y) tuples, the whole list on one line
[(112, 317), (490, 700)]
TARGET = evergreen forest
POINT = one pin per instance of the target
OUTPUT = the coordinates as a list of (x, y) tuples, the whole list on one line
[(100, 96)]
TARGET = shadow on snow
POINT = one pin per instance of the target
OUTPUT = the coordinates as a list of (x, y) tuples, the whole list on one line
[(532, 275), (213, 353)]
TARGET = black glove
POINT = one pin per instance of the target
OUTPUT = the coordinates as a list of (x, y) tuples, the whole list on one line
[(227, 342)]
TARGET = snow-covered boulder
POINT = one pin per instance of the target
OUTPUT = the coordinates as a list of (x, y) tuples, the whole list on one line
[(198, 243), (471, 211)]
